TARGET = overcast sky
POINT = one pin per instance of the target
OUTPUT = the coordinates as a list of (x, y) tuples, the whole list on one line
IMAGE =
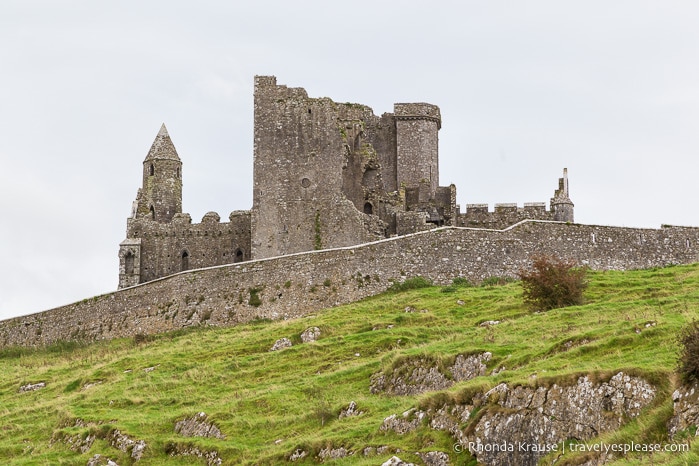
[(608, 89)]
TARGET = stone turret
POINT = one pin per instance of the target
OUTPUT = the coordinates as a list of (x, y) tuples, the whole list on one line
[(417, 141), (561, 205), (161, 194)]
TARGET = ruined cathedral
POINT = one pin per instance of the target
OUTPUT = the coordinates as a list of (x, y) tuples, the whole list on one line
[(326, 175)]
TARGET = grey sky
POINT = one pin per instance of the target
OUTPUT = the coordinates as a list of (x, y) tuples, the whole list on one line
[(609, 89)]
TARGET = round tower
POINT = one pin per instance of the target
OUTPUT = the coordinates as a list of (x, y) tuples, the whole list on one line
[(417, 146), (161, 195)]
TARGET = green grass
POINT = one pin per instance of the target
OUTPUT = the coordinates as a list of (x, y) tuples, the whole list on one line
[(268, 404)]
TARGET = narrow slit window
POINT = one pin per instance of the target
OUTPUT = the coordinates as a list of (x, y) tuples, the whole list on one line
[(185, 260)]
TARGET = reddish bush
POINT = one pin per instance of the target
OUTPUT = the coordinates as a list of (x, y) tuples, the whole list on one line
[(552, 283)]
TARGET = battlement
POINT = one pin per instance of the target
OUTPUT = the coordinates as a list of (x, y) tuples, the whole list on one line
[(156, 249), (503, 214), (505, 207)]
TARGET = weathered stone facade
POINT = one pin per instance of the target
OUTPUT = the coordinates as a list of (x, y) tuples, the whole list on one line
[(326, 175), (295, 285), (160, 239)]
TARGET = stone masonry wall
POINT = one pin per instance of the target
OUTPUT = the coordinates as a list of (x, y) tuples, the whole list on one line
[(504, 215), (307, 172), (296, 285), (208, 243)]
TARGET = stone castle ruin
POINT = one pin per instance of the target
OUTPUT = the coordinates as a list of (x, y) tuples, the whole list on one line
[(326, 175), (345, 204)]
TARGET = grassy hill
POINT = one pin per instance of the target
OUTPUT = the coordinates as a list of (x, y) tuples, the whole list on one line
[(271, 404)]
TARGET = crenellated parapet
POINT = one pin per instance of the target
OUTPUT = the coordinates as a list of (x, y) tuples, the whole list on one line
[(504, 215), (161, 249)]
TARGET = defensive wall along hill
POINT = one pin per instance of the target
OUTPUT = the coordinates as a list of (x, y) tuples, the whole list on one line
[(345, 203), (298, 284)]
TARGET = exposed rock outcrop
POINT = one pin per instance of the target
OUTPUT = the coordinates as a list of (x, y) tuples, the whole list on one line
[(281, 344), (686, 409), (212, 457), (310, 334), (79, 443), (434, 458), (407, 422), (350, 410), (519, 425), (99, 460), (298, 454), (415, 376), (198, 426), (333, 453), (126, 444), (395, 461), (30, 387)]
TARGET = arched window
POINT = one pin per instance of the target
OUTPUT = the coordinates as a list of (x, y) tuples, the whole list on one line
[(238, 255), (368, 208), (128, 263), (152, 212), (152, 170), (185, 260)]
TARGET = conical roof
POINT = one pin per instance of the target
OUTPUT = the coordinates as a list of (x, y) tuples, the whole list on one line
[(162, 147)]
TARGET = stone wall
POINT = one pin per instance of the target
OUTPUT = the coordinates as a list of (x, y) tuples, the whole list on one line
[(295, 285), (167, 248), (504, 215), (319, 163)]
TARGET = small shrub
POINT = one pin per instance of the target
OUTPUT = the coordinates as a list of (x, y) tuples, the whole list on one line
[(255, 299), (410, 284), (553, 283), (688, 360), (461, 281)]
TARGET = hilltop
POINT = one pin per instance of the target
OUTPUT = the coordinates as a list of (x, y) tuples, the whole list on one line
[(123, 398)]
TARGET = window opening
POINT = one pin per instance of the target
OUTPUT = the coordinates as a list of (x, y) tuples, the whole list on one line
[(185, 260), (129, 263)]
